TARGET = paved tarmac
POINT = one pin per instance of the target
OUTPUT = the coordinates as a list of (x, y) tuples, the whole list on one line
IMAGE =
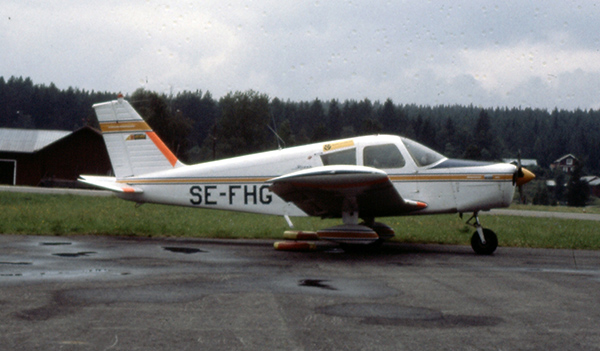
[(102, 293)]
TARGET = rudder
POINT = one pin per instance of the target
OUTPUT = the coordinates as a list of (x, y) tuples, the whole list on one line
[(133, 147)]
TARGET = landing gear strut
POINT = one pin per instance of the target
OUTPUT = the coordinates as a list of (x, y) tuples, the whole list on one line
[(484, 241)]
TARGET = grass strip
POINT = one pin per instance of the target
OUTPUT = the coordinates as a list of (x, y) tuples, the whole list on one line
[(40, 214)]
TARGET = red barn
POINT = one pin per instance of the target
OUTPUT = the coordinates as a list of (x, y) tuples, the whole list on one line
[(51, 157)]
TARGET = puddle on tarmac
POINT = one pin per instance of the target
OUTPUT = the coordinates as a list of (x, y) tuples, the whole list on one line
[(74, 254), (55, 243), (316, 283), (389, 311), (61, 274), (183, 250), (16, 263), (11, 274), (392, 314)]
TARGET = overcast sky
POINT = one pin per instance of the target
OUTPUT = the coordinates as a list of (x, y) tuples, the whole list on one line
[(485, 53)]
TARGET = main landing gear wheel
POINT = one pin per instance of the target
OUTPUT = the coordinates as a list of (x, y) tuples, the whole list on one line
[(490, 245)]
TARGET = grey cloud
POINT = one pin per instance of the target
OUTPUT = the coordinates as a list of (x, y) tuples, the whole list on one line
[(411, 52)]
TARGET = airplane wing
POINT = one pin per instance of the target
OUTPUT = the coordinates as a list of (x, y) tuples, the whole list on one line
[(109, 183), (323, 191)]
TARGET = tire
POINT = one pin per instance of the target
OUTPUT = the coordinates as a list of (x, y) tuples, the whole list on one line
[(491, 242)]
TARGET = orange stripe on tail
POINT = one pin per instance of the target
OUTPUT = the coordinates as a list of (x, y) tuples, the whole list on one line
[(163, 148)]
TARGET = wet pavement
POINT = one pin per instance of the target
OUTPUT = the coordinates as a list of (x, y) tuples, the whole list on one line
[(103, 293)]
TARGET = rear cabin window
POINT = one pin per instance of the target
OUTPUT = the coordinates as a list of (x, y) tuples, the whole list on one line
[(344, 157), (383, 156)]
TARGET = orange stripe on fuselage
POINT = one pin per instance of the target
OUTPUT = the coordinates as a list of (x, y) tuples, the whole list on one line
[(451, 177), (393, 178), (195, 180), (163, 148)]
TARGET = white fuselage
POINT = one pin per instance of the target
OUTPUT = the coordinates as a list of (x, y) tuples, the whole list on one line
[(242, 183)]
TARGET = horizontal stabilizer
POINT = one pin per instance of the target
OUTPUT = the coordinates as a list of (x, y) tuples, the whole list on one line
[(109, 183)]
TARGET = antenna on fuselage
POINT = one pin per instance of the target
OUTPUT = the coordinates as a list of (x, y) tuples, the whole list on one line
[(277, 137)]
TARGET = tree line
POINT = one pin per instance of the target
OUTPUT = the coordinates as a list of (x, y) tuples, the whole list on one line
[(199, 127)]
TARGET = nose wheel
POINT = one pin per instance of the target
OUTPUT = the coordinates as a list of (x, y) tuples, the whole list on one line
[(486, 246), (484, 241)]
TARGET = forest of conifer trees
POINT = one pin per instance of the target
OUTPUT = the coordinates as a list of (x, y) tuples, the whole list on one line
[(199, 127)]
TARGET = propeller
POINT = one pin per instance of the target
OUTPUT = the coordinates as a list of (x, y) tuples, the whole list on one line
[(521, 176)]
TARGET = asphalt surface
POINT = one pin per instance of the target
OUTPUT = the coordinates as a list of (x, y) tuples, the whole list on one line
[(100, 293)]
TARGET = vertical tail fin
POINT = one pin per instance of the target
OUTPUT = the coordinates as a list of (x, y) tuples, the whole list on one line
[(133, 147)]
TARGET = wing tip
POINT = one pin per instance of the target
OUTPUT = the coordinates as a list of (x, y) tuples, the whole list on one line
[(416, 205)]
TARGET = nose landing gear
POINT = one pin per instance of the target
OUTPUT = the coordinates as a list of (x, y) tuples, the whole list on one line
[(484, 241)]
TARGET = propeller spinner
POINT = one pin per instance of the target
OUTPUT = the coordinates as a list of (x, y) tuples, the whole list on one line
[(522, 176)]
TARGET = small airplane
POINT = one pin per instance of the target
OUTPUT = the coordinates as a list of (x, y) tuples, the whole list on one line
[(353, 179)]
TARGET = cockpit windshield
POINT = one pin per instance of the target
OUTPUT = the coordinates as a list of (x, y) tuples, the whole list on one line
[(422, 155)]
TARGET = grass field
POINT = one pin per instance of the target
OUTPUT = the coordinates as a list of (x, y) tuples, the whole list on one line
[(70, 214)]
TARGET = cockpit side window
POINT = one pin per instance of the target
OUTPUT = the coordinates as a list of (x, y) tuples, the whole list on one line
[(344, 157), (383, 156), (422, 155)]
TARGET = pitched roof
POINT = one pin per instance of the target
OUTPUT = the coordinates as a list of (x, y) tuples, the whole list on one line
[(591, 180), (565, 157), (28, 140)]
